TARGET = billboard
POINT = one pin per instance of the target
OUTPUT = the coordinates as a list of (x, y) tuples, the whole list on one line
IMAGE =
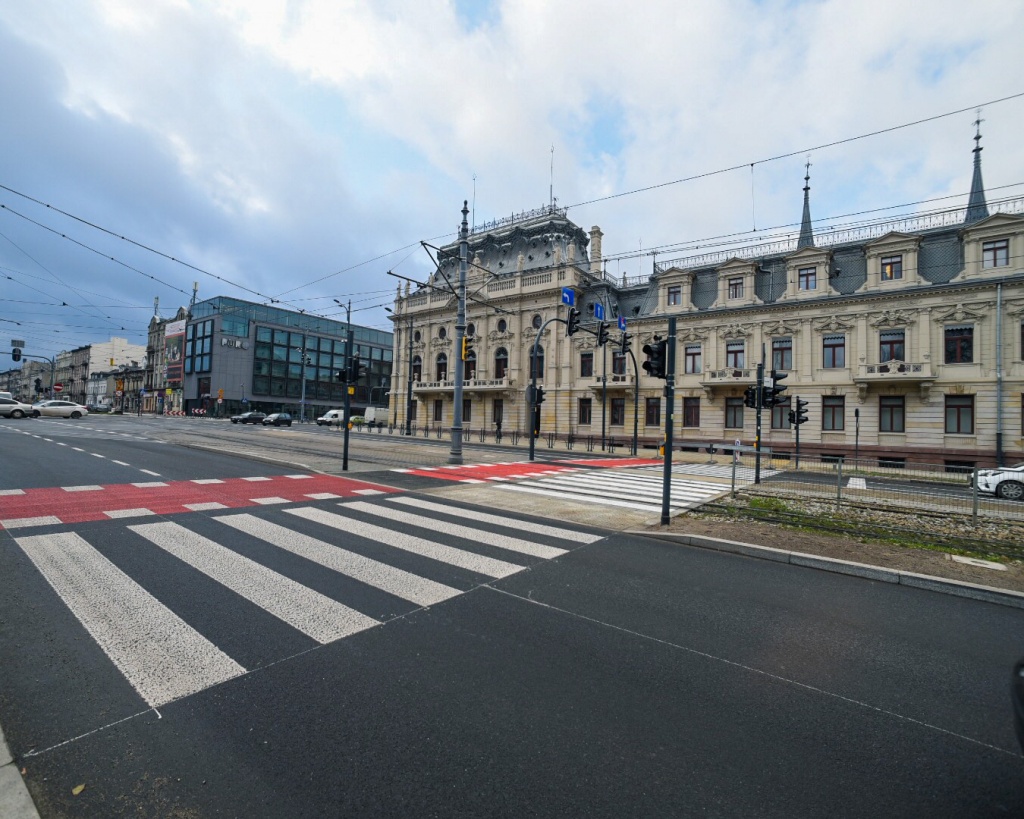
[(174, 352)]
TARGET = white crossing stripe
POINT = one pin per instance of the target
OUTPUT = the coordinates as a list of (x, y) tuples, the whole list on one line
[(129, 513), (562, 494), (856, 483), (498, 520), (12, 491), (202, 507), (512, 544), (269, 501), (18, 523), (206, 480), (90, 488), (147, 484), (158, 653), (257, 478), (417, 545), (381, 576), (310, 612)]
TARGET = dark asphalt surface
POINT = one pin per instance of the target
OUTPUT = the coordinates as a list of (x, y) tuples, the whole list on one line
[(628, 677)]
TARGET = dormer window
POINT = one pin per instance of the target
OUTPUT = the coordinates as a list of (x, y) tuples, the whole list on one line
[(675, 295), (736, 288), (892, 268), (808, 278), (995, 253)]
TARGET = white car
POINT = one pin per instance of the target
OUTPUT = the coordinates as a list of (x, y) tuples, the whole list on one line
[(13, 408), (59, 409), (1007, 483)]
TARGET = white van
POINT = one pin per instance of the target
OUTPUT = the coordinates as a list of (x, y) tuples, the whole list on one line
[(376, 416), (331, 418)]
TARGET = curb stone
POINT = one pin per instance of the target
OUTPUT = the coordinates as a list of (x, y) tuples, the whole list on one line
[(15, 803)]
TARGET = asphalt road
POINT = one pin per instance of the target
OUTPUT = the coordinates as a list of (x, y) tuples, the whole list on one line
[(617, 675)]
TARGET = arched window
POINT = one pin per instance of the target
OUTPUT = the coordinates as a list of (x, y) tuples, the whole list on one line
[(417, 368), (502, 325), (470, 367), (500, 362), (537, 364), (442, 367)]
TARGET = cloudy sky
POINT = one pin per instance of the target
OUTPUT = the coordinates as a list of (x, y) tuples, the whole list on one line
[(300, 150)]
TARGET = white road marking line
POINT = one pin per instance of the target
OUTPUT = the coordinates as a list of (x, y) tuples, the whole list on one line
[(206, 480), (512, 544), (150, 472), (416, 545), (97, 455), (298, 477), (12, 491), (269, 501), (368, 492), (498, 520), (398, 582), (401, 470), (17, 523), (129, 513), (202, 507), (856, 483), (145, 484), (61, 443), (310, 612), (89, 488), (158, 653), (323, 496), (77, 449), (471, 480), (257, 478), (120, 463)]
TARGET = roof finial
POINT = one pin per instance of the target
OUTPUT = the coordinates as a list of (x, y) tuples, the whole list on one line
[(806, 232), (977, 209), (977, 133), (807, 173)]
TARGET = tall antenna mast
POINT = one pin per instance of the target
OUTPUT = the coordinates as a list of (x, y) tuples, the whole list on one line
[(551, 187)]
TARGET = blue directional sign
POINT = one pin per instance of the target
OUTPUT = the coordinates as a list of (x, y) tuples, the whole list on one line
[(599, 311), (622, 323), (568, 296)]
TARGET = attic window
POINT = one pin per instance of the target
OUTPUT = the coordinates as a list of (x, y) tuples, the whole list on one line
[(995, 253)]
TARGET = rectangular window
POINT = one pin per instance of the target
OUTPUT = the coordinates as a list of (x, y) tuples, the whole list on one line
[(782, 353), (959, 414), (890, 346), (467, 410), (892, 268), (652, 412), (834, 352), (833, 413), (808, 278), (736, 288), (438, 409), (584, 411), (587, 364), (734, 354), (995, 253), (734, 413), (780, 414), (891, 413), (618, 363), (618, 414), (693, 364), (960, 344), (498, 412), (675, 295), (691, 412)]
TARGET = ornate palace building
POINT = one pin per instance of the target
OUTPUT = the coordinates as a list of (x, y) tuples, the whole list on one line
[(905, 337)]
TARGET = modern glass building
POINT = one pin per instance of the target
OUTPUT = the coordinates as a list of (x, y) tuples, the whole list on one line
[(238, 355)]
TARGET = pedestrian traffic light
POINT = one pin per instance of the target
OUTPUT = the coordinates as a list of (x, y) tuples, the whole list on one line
[(356, 370), (750, 397), (341, 376), (798, 415), (656, 363), (467, 348), (625, 342), (772, 396), (572, 322), (16, 354), (602, 334), (539, 396)]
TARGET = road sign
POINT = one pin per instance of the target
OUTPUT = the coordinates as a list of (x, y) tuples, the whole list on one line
[(568, 296), (168, 392), (220, 400), (119, 393), (58, 387), (17, 342), (599, 311)]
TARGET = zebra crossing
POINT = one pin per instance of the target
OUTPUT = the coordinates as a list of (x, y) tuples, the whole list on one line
[(155, 596), (641, 489)]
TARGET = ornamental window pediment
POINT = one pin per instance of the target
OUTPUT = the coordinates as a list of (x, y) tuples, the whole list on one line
[(963, 313), (893, 318)]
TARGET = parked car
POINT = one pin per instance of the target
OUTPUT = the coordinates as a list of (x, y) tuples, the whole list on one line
[(278, 419), (13, 408), (248, 418), (1007, 483), (58, 409), (333, 417), (376, 416)]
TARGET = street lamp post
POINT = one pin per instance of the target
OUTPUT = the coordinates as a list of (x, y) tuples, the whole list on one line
[(302, 399)]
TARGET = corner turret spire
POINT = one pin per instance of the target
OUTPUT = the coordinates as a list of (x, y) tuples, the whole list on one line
[(806, 234), (976, 207)]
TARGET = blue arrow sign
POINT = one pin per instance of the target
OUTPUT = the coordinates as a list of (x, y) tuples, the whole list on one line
[(568, 296), (599, 311)]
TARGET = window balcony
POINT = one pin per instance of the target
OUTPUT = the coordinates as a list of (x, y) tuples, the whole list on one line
[(469, 384), (895, 372), (615, 382)]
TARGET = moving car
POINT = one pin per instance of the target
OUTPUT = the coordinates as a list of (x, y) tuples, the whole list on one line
[(334, 417), (248, 418), (278, 419), (58, 409), (13, 408), (1006, 483)]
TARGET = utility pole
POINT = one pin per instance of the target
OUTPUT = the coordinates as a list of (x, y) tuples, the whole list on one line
[(670, 400), (757, 433), (455, 456)]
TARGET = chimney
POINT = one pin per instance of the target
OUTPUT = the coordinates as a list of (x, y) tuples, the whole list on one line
[(595, 248)]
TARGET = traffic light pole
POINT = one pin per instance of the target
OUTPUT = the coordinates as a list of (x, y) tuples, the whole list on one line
[(757, 434), (670, 400), (349, 346), (455, 454), (796, 403)]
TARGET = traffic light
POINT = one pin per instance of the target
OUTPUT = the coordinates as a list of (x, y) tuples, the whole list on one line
[(16, 354), (39, 385), (573, 322), (602, 334), (356, 370), (656, 362), (798, 416), (220, 393), (625, 342), (539, 397), (750, 397), (341, 376), (467, 347), (772, 396)]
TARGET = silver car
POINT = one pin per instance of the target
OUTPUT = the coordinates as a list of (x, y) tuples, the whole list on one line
[(58, 409), (1007, 483), (13, 408)]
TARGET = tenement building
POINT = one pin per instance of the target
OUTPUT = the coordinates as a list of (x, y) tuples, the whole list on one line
[(906, 338)]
